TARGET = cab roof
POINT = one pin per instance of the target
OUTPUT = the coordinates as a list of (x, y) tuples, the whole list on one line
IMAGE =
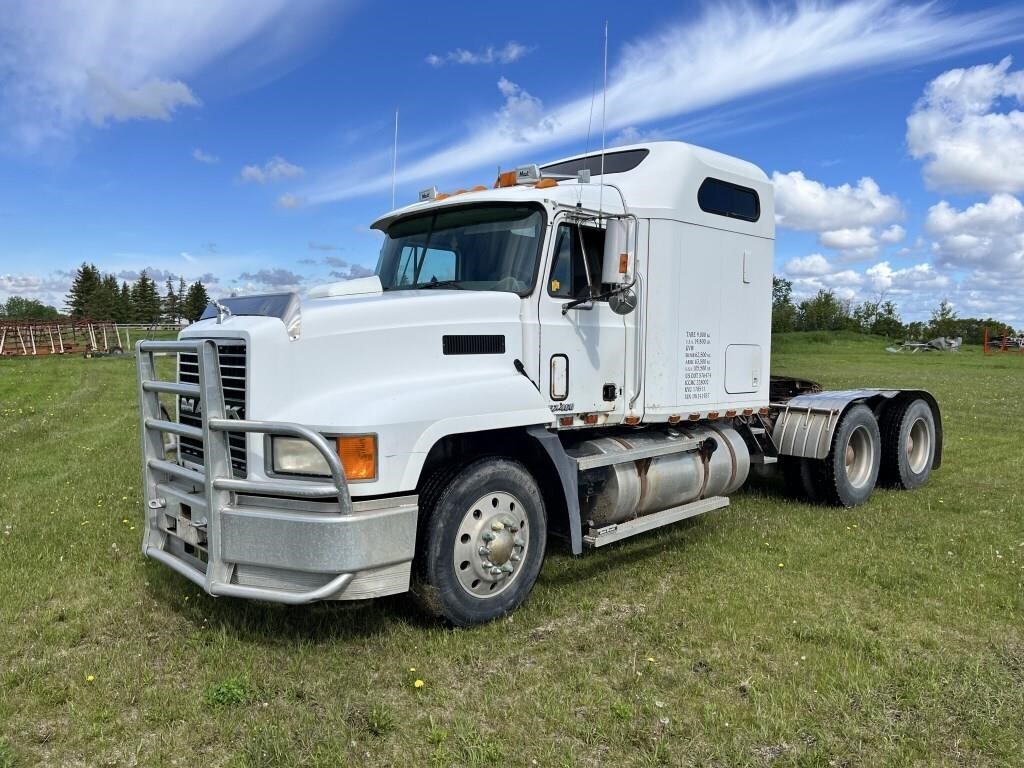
[(658, 179)]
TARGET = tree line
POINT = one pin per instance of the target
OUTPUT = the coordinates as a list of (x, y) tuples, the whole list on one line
[(100, 297), (827, 312)]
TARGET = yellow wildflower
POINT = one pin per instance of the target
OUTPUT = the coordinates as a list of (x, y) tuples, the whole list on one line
[(419, 683), (90, 678)]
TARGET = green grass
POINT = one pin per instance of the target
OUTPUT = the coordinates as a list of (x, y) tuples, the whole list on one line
[(769, 633)]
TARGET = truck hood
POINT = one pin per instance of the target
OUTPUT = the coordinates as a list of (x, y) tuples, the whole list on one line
[(430, 311)]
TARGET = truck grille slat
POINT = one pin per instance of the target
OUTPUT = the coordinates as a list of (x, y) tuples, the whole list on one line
[(233, 369)]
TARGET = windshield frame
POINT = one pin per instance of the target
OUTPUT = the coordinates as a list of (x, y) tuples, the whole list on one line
[(542, 237)]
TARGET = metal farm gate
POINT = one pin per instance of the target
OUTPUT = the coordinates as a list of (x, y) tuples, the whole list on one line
[(58, 337)]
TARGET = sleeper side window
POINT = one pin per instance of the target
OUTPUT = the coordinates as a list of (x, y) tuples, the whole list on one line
[(573, 244), (725, 199)]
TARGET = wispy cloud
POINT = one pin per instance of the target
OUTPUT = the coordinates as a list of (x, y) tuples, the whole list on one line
[(66, 63), (729, 52), (275, 169), (204, 157), (506, 54), (288, 201)]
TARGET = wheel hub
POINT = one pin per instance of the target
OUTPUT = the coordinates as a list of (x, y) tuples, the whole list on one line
[(491, 544)]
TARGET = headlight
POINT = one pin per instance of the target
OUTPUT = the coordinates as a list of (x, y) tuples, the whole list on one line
[(295, 456)]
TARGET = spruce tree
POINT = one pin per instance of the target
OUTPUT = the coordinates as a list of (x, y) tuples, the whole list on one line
[(171, 310), (196, 301), (145, 300), (83, 290), (182, 293)]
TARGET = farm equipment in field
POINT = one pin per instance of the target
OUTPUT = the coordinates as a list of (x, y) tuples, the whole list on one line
[(583, 349), (59, 337), (1003, 341), (935, 345)]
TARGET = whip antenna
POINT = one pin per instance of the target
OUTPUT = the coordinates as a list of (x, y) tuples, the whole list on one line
[(604, 114), (394, 163)]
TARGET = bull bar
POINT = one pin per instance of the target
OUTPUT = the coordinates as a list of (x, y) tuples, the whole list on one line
[(348, 539)]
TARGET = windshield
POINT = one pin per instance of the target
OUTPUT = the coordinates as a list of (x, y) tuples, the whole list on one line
[(479, 248)]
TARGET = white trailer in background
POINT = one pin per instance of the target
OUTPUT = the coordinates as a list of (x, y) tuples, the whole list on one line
[(565, 353)]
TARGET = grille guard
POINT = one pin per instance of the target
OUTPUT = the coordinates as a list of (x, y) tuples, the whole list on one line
[(218, 484)]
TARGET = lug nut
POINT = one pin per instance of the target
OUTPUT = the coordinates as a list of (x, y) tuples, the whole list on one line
[(485, 551), (507, 568), (488, 536), (515, 558), (497, 525), (495, 571), (519, 541)]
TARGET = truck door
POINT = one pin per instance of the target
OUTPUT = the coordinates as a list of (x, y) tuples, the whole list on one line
[(582, 351)]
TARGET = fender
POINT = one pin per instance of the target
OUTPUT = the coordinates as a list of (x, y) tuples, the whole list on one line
[(804, 425)]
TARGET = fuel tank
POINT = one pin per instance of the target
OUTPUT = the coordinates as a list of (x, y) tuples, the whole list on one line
[(631, 489)]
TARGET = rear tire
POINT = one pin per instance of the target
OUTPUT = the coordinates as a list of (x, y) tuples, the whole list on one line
[(908, 445), (799, 478), (484, 531), (847, 476)]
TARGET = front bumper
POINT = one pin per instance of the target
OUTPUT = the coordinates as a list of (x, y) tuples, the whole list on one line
[(286, 541)]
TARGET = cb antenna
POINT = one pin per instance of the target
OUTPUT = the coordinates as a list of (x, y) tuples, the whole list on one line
[(604, 114), (394, 163)]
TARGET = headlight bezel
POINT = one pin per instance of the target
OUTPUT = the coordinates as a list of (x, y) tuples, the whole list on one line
[(317, 468)]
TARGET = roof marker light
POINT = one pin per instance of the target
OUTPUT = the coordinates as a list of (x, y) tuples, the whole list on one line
[(546, 183), (505, 179)]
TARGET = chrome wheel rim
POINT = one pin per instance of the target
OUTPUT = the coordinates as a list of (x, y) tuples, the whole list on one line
[(860, 454), (491, 544), (919, 446)]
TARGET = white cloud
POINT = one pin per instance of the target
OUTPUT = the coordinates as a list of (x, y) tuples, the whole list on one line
[(802, 203), (288, 200), (154, 99), (814, 265), (521, 112), (987, 236), (910, 285), (966, 141), (918, 277), (275, 169), (892, 235), (849, 239), (204, 157), (65, 63), (694, 65), (506, 54)]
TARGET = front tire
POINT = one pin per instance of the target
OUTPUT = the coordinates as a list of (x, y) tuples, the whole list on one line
[(484, 542)]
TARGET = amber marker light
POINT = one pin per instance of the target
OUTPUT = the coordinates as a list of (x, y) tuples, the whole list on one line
[(506, 179), (358, 455)]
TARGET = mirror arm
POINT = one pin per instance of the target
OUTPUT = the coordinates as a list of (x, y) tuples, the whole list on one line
[(576, 303)]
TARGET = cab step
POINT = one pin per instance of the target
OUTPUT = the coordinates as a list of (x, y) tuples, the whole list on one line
[(598, 537)]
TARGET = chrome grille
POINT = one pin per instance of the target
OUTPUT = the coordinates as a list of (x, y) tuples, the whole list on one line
[(232, 355)]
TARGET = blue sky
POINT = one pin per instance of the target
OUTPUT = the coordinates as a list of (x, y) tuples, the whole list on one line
[(250, 142)]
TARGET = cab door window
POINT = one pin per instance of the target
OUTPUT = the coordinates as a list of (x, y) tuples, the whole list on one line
[(576, 248)]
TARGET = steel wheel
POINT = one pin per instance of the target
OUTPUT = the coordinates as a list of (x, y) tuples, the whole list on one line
[(919, 445), (491, 545), (860, 458), (481, 540)]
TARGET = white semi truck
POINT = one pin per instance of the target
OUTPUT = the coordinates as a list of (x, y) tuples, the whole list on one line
[(581, 351)]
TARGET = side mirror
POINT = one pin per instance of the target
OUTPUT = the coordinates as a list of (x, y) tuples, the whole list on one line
[(617, 258)]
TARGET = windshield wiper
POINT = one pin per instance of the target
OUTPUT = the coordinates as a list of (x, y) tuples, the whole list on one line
[(439, 284)]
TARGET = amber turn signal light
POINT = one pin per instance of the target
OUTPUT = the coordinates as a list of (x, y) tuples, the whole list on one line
[(358, 455)]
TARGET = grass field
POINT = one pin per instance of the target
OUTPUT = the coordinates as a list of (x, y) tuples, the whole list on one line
[(769, 633)]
